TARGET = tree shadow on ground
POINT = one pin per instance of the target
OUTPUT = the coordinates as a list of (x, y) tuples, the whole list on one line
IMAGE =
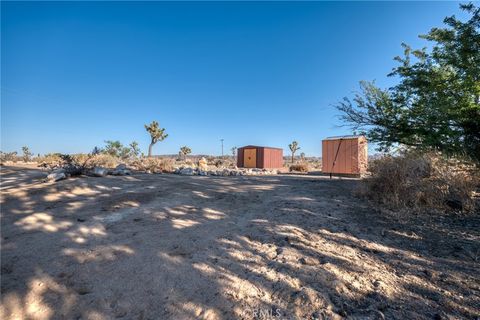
[(167, 246)]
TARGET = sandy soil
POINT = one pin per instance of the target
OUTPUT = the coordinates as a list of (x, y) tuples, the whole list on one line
[(269, 247)]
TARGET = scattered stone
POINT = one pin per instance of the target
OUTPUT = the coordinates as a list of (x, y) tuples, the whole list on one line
[(271, 255), (83, 289), (428, 273), (202, 170), (307, 261)]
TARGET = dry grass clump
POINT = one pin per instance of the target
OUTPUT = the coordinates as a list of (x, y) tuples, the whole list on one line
[(51, 160), (8, 157), (154, 165), (101, 160), (300, 167), (423, 180), (80, 160)]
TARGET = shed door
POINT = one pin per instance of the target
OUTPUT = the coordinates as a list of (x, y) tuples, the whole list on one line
[(250, 158)]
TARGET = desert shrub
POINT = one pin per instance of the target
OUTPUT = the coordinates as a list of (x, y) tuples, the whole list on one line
[(80, 159), (422, 181), (8, 156), (301, 167), (154, 165), (221, 162), (51, 160), (101, 160), (27, 154)]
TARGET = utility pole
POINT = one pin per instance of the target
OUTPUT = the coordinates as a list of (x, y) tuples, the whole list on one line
[(222, 147)]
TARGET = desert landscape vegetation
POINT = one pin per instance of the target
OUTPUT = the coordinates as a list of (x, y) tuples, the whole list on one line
[(116, 233)]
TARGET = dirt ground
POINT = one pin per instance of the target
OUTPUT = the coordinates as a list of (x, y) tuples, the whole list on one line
[(267, 247)]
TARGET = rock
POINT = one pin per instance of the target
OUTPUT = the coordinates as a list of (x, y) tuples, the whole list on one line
[(99, 172), (59, 170), (202, 164), (56, 176), (121, 166), (202, 172), (307, 261), (187, 171), (121, 170)]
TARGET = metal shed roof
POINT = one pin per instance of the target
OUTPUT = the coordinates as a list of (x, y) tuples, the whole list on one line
[(344, 137), (251, 146)]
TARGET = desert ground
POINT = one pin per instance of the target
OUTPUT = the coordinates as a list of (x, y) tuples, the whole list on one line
[(164, 246)]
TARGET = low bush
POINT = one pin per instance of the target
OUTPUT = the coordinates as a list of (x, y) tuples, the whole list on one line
[(422, 180), (154, 165), (51, 160), (103, 160), (299, 167), (8, 156)]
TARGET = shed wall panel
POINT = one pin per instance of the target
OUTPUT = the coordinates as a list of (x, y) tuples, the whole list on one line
[(344, 155), (240, 157), (266, 157)]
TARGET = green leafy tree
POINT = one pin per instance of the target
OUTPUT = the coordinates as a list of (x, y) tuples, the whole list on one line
[(185, 151), (27, 155), (134, 149), (156, 134), (436, 103), (113, 148), (293, 148), (116, 149)]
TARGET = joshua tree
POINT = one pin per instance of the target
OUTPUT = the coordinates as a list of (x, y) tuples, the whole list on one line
[(294, 148), (184, 151), (234, 152), (302, 156), (96, 150), (134, 149), (26, 154), (156, 133)]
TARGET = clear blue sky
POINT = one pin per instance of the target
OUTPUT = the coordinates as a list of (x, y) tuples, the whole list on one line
[(76, 74)]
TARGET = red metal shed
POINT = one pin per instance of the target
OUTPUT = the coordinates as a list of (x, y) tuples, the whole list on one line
[(344, 155), (259, 157)]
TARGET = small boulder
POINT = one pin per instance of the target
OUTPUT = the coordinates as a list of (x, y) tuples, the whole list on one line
[(59, 170), (202, 164), (188, 171), (121, 170), (99, 172), (121, 166), (55, 176)]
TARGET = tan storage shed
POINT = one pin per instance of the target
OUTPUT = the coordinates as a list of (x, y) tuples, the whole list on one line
[(260, 157), (345, 155)]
